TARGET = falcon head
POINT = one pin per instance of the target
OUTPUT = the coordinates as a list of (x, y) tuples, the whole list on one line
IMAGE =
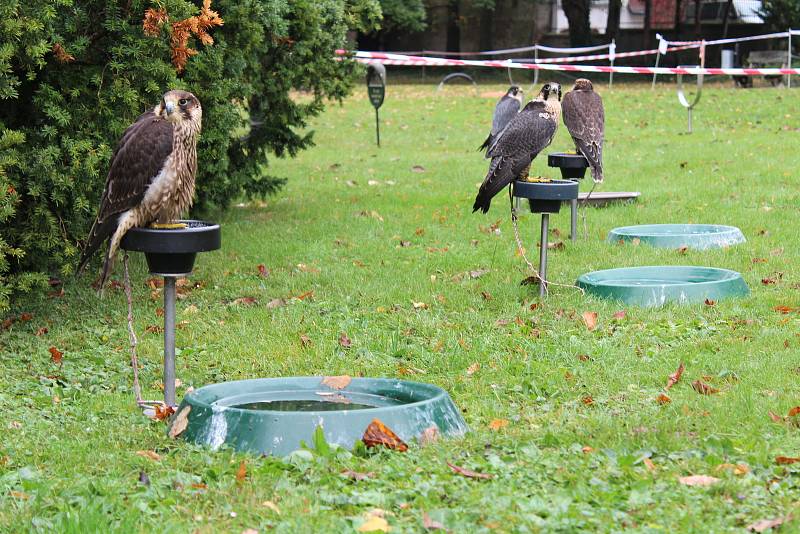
[(178, 107), (550, 91), (582, 84), (515, 92)]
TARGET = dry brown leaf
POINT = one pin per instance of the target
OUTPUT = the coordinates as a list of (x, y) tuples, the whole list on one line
[(241, 473), (468, 472), (272, 506), (709, 302), (418, 168), (180, 422), (374, 523), (784, 309), (674, 377), (336, 382), (683, 250), (153, 455), (19, 495), (263, 272), (775, 417), (345, 341), (497, 424), (55, 355), (420, 305), (767, 524), (430, 524), (245, 301), (305, 341), (786, 460), (162, 413), (355, 475), (378, 434), (588, 400), (428, 436), (703, 388), (587, 449), (478, 273), (663, 399), (794, 411), (589, 319), (486, 295), (737, 469), (698, 480), (276, 303), (648, 463), (620, 314), (62, 56), (472, 369)]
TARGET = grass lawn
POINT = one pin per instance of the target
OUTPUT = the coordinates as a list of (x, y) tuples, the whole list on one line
[(586, 446)]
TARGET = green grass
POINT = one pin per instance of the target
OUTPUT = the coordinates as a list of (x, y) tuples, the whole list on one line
[(71, 465)]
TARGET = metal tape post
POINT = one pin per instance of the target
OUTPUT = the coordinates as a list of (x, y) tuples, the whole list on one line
[(682, 96)]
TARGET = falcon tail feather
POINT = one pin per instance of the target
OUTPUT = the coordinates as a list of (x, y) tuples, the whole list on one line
[(487, 143), (100, 232)]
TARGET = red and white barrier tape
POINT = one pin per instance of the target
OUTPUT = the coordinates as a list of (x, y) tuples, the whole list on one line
[(595, 57), (388, 58)]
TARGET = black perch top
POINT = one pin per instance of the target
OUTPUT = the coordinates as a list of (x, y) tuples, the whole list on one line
[(171, 252), (573, 166), (546, 197)]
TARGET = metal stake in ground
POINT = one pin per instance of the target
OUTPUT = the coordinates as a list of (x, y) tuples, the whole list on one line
[(376, 89), (543, 256), (169, 340)]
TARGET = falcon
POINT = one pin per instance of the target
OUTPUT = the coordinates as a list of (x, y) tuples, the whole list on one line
[(151, 176), (512, 152), (585, 119), (505, 110)]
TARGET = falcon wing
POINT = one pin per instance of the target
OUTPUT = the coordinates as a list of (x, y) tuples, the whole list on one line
[(585, 119), (505, 110), (526, 135), (137, 160)]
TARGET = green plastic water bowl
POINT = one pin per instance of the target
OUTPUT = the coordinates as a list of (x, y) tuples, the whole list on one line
[(659, 285), (273, 415), (696, 236)]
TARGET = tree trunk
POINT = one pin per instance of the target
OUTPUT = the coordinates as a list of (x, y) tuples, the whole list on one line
[(726, 18), (612, 22), (453, 29), (577, 12), (678, 21), (648, 23)]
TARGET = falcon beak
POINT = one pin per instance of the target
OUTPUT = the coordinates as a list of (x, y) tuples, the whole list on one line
[(169, 106)]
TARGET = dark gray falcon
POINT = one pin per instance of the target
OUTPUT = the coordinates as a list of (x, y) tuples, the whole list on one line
[(151, 176), (505, 110), (585, 119), (512, 152)]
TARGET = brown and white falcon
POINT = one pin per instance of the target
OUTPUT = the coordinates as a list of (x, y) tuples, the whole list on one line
[(151, 178), (585, 119), (514, 148)]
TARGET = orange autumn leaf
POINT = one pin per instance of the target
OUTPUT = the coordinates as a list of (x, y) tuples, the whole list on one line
[(163, 412), (182, 30), (663, 399), (153, 20), (703, 388), (469, 473), (336, 382), (698, 480), (786, 460), (497, 424), (794, 411), (588, 400), (775, 417), (674, 377), (589, 319), (62, 56), (56, 355), (241, 473), (648, 463), (378, 434)]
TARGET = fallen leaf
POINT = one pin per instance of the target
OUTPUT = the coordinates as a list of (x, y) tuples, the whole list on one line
[(587, 449), (336, 382), (26, 317), (344, 341), (430, 524), (588, 400), (663, 399), (558, 245), (56, 355), (698, 480), (709, 302), (15, 425), (419, 232), (703, 388), (162, 413), (497, 424), (263, 271), (180, 422), (759, 260), (794, 411), (153, 455), (405, 243), (468, 472), (419, 305), (478, 273), (154, 329), (583, 357), (305, 295), (775, 417), (674, 377), (428, 436), (19, 495), (199, 486), (241, 473), (486, 295), (784, 309), (418, 168), (272, 506), (42, 331), (307, 268), (305, 341), (738, 469), (786, 460), (374, 523), (472, 369), (276, 303), (245, 301), (378, 434), (589, 319), (648, 463), (355, 475), (683, 249), (635, 241), (249, 531), (767, 524), (620, 314)]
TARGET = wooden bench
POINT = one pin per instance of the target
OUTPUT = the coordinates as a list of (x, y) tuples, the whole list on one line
[(759, 59)]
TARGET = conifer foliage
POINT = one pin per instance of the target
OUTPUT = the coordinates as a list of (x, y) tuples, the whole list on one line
[(75, 73)]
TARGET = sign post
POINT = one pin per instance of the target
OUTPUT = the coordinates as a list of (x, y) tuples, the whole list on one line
[(376, 89)]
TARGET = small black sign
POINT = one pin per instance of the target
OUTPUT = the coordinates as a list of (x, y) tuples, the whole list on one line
[(376, 83)]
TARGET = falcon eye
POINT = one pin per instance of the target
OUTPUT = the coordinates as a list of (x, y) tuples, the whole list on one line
[(182, 101)]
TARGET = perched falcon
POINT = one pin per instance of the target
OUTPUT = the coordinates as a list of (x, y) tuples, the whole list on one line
[(151, 178), (523, 138), (585, 119), (505, 110)]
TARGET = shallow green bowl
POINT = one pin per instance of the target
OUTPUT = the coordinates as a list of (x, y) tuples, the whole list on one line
[(696, 236), (273, 415), (659, 285)]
